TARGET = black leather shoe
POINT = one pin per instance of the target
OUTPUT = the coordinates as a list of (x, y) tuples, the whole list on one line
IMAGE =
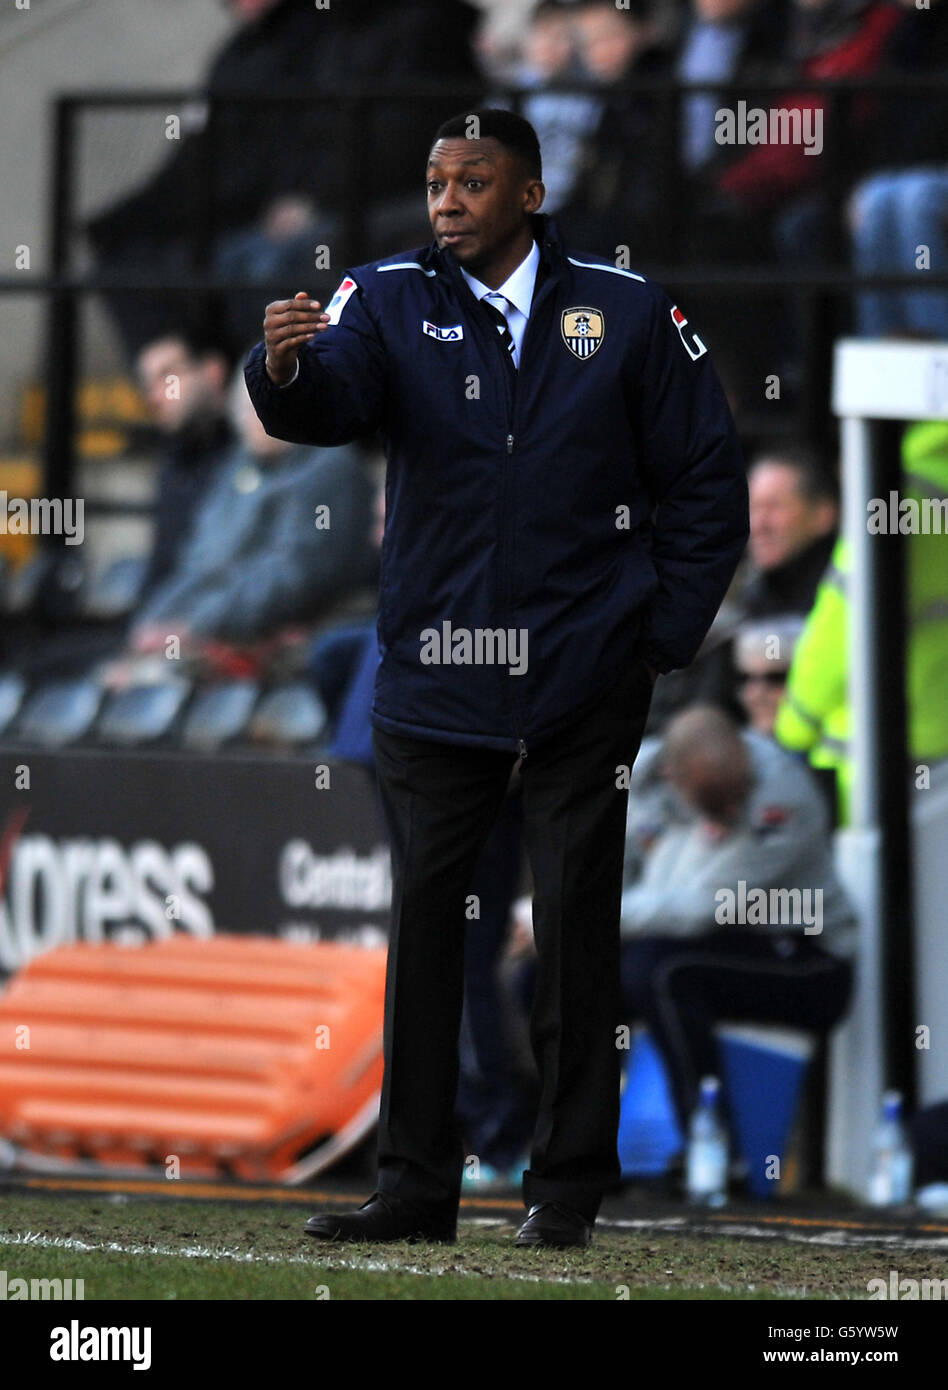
[(548, 1223), (382, 1217)]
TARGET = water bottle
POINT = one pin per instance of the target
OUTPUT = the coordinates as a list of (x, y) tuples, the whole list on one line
[(890, 1176), (706, 1176)]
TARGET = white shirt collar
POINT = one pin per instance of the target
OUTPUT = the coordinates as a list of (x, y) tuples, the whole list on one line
[(517, 288)]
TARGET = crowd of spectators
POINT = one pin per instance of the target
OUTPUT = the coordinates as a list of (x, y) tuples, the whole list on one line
[(855, 178)]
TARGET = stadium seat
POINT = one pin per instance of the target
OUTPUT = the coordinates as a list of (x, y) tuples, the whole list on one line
[(219, 713), (289, 715), (114, 591), (23, 585), (60, 713), (12, 690), (246, 1056), (142, 713)]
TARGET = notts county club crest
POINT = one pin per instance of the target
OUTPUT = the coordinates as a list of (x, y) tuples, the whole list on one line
[(583, 330)]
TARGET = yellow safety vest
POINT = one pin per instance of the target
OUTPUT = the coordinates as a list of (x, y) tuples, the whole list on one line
[(815, 716)]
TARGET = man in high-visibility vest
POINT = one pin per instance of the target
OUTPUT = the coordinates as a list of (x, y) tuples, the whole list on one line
[(815, 715)]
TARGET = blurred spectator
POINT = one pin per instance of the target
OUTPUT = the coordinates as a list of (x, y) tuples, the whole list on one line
[(272, 178), (830, 39), (343, 664), (562, 120), (896, 213), (184, 381), (815, 715), (278, 538), (617, 196), (762, 656), (724, 41), (894, 216), (702, 942), (793, 518), (612, 41)]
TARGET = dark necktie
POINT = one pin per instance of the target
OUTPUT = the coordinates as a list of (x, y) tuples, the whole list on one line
[(499, 318)]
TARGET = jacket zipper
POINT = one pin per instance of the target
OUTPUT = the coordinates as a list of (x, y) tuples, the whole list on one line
[(510, 397), (521, 743), (512, 410)]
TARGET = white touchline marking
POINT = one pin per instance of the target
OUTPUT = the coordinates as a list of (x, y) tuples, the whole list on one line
[(747, 1229), (114, 1247), (198, 1252)]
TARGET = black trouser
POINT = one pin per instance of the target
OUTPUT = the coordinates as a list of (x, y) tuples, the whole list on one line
[(494, 1105), (440, 801), (682, 986)]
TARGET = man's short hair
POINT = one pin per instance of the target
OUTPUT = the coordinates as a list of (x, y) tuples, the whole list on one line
[(506, 127), (814, 476), (198, 342)]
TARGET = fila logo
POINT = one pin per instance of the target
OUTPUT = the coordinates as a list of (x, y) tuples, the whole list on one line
[(695, 348), (452, 334)]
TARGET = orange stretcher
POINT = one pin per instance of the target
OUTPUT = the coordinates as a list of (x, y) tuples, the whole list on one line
[(247, 1057)]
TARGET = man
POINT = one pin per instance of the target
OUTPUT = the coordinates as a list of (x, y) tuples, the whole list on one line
[(184, 381), (793, 518), (697, 947), (565, 499), (280, 537), (762, 655)]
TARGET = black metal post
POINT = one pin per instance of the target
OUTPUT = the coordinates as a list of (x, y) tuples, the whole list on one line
[(61, 322)]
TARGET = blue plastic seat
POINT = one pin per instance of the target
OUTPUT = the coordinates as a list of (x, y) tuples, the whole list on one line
[(60, 713), (12, 691), (218, 714), (142, 713), (289, 715)]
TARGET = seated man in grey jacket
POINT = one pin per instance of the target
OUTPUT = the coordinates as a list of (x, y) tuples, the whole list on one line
[(282, 534), (737, 912)]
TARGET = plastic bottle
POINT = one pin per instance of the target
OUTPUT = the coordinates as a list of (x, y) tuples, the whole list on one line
[(706, 1169), (890, 1174)]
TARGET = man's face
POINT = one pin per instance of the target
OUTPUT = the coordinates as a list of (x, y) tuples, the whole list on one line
[(761, 687), (609, 40), (548, 46), (722, 11), (783, 521), (478, 197), (176, 385)]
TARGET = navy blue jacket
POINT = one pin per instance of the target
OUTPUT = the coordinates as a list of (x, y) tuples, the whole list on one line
[(593, 505)]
